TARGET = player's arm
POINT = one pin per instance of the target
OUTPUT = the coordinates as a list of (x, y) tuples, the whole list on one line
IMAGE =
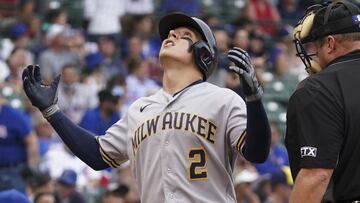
[(312, 182), (81, 142), (258, 137)]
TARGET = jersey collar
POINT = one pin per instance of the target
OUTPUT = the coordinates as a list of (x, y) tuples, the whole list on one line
[(194, 83), (351, 55)]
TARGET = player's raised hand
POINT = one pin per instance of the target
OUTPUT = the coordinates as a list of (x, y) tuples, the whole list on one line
[(44, 97), (243, 66)]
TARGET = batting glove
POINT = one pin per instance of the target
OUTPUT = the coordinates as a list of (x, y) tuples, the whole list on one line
[(44, 97), (243, 67)]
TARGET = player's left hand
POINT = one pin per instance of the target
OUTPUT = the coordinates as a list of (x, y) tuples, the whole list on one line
[(244, 68), (44, 97)]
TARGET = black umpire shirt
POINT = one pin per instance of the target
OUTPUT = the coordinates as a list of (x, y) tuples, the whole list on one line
[(323, 125)]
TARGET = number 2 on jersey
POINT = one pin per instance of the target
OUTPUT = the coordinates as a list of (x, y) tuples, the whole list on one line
[(197, 169)]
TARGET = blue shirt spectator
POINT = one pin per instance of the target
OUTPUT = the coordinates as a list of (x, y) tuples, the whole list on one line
[(18, 148), (278, 157), (94, 122), (99, 119), (14, 127)]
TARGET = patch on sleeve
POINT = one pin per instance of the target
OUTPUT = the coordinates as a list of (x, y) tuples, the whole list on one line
[(308, 151)]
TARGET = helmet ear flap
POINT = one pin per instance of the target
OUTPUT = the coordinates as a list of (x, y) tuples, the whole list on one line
[(204, 58)]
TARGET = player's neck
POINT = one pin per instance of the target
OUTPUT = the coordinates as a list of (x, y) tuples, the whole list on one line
[(176, 80)]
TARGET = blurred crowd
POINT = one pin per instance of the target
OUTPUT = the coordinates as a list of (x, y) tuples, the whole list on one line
[(107, 54)]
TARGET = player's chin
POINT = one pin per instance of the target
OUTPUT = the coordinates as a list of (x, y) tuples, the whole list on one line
[(164, 53)]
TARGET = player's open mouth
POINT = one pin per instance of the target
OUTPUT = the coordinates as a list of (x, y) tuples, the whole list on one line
[(168, 43)]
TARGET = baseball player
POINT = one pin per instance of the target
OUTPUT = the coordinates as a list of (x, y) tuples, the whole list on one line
[(182, 141)]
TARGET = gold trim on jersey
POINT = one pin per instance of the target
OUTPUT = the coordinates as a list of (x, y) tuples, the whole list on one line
[(106, 157), (241, 140), (197, 169)]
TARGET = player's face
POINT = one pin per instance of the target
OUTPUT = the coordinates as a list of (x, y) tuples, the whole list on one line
[(177, 45)]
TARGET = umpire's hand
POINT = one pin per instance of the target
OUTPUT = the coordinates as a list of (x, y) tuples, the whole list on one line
[(44, 97), (243, 67)]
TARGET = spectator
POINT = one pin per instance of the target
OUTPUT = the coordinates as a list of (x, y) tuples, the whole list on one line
[(243, 189), (45, 133), (99, 119), (111, 63), (278, 156), (47, 197), (144, 28), (66, 188), (138, 82), (281, 184), (74, 98), (18, 147), (16, 62), (57, 16), (264, 14), (258, 53), (115, 195), (119, 80), (139, 7), (282, 58), (39, 182), (223, 43), (133, 48), (241, 39), (290, 11), (52, 165), (103, 17), (18, 38), (13, 196), (25, 11), (92, 74), (57, 54)]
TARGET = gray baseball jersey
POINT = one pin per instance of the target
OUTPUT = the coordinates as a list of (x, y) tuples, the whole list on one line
[(182, 148)]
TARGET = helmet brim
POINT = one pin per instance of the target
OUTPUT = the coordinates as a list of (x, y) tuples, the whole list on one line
[(175, 20)]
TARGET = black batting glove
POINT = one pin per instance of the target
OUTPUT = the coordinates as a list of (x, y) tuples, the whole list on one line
[(244, 68), (42, 96)]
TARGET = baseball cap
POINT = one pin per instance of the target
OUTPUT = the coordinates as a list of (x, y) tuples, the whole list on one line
[(111, 94), (17, 30), (68, 177), (13, 196), (55, 30), (93, 60), (246, 176), (334, 18)]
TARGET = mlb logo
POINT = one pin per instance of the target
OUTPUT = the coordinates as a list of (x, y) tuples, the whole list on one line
[(308, 151)]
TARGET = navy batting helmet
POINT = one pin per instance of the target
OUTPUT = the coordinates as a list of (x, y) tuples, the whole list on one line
[(205, 50)]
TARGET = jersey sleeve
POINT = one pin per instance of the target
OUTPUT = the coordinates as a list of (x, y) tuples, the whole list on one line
[(319, 127), (236, 124), (113, 145)]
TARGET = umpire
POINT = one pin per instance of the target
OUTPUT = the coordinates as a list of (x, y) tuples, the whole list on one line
[(323, 117)]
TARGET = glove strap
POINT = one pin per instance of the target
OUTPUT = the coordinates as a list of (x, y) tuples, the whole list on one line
[(50, 111), (256, 96)]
